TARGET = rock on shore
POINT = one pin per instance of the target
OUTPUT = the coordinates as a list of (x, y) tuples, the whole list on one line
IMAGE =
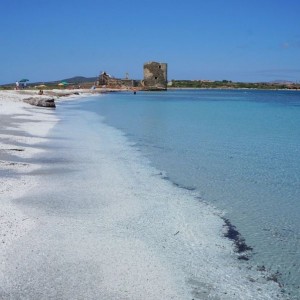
[(41, 101)]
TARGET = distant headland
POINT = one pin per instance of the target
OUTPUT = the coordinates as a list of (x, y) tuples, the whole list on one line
[(227, 84), (155, 78)]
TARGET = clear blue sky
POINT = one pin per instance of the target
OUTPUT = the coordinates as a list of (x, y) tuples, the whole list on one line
[(239, 40)]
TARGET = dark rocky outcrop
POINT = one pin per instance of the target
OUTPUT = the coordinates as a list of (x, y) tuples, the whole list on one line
[(40, 101)]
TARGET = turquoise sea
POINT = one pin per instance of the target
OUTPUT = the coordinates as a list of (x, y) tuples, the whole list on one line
[(239, 150)]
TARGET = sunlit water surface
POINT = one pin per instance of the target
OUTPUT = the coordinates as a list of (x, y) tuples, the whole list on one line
[(240, 151)]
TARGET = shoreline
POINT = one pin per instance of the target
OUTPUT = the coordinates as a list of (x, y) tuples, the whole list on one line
[(19, 142), (28, 115)]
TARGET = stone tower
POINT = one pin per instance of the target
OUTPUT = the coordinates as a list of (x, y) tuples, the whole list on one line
[(155, 76)]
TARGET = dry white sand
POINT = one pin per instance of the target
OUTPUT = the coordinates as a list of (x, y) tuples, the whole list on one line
[(30, 126), (18, 117), (27, 125)]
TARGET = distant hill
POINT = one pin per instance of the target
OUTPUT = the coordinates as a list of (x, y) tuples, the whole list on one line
[(72, 80), (77, 79)]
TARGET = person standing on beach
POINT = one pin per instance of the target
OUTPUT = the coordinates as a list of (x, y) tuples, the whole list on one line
[(17, 85)]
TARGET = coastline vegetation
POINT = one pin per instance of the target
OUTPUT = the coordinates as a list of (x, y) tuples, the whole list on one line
[(83, 82), (227, 84)]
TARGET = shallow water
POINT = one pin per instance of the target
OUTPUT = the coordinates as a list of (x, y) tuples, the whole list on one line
[(239, 150), (110, 226)]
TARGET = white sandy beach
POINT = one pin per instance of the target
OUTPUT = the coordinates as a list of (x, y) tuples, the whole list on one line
[(30, 126), (147, 241), (13, 180)]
